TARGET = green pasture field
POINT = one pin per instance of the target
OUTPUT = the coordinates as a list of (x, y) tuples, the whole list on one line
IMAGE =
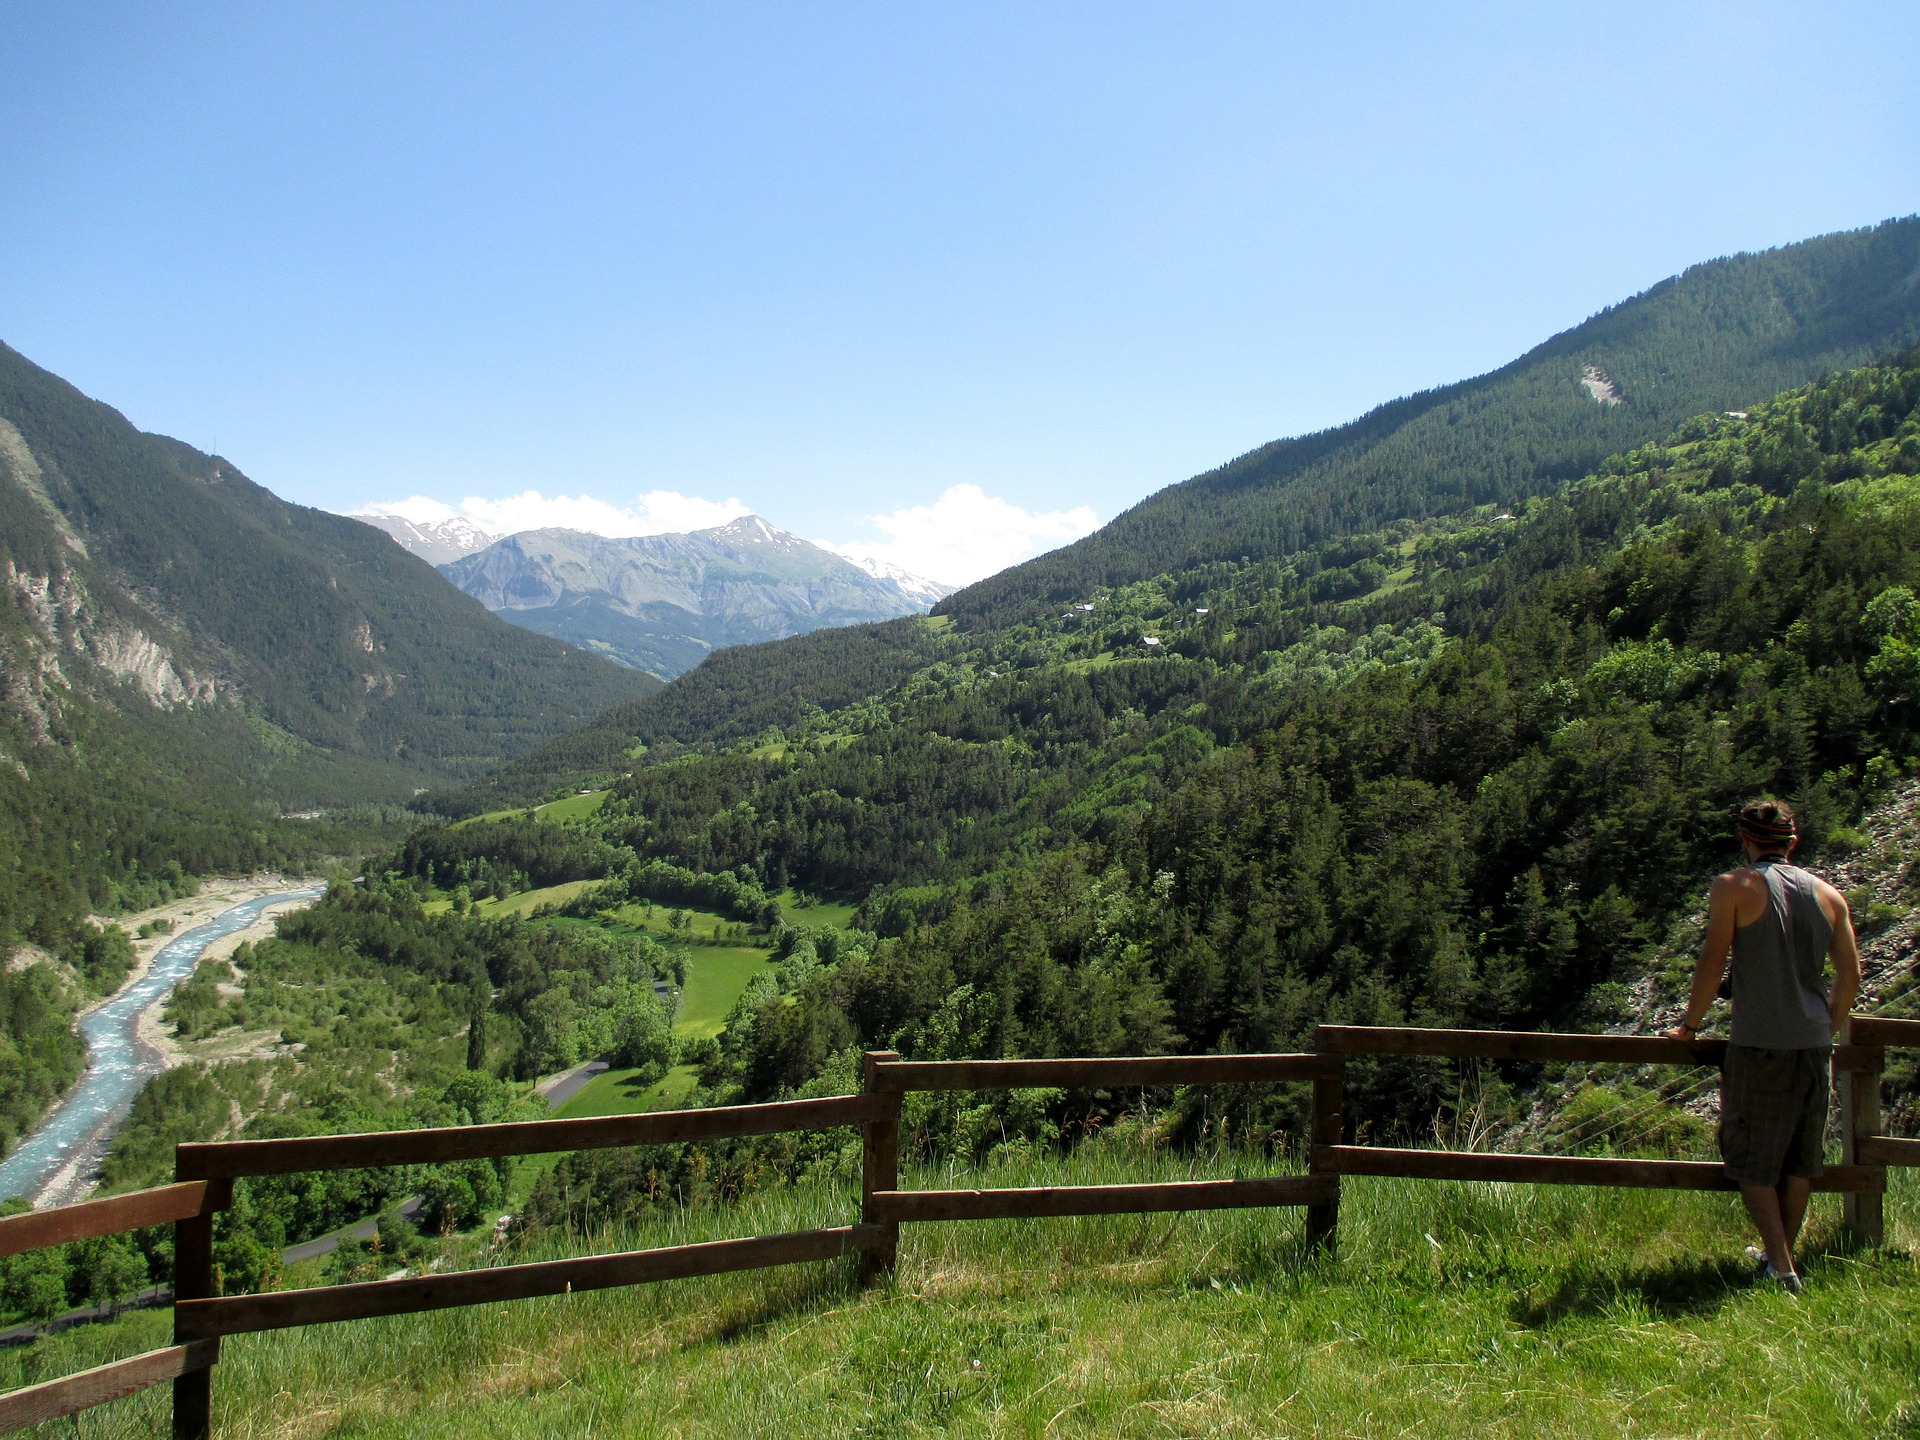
[(820, 915), (618, 1093), (568, 807), (572, 807), (716, 974), (700, 924), (1497, 1312), (521, 904)]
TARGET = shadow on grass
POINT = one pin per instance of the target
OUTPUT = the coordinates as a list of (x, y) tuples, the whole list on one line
[(782, 1295), (1671, 1290)]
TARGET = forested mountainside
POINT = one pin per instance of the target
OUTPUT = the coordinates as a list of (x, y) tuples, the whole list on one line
[(1460, 769), (183, 656), (738, 692), (663, 603), (1723, 335)]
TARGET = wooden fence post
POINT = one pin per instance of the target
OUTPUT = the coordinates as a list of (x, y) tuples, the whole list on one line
[(193, 1280), (880, 1164), (1864, 1211), (1323, 1221)]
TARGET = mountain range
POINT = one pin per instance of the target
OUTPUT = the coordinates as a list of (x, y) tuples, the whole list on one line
[(663, 603)]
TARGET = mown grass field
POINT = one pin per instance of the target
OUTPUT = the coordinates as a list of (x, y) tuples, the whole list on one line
[(814, 914), (1450, 1311), (619, 1092), (573, 807), (568, 807), (521, 904), (653, 920), (716, 974)]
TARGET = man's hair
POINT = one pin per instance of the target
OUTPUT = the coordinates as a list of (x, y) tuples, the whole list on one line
[(1768, 824)]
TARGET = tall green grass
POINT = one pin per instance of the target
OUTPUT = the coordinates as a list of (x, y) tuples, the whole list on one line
[(1449, 1310)]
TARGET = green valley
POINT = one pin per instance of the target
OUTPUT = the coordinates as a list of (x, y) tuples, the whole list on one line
[(1435, 719)]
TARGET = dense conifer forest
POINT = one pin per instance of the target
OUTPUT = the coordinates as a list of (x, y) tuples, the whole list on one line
[(1725, 334)]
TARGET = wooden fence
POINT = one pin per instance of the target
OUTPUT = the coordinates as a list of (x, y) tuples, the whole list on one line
[(206, 1173)]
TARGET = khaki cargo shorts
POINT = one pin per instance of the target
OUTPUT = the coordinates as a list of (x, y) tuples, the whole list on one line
[(1773, 1113)]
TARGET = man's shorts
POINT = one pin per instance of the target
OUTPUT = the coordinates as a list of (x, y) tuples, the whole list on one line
[(1773, 1113)]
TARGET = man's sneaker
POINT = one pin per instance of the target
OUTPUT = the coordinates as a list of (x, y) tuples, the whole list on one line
[(1763, 1270)]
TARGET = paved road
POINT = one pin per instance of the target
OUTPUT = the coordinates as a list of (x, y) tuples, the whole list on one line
[(364, 1230), (556, 1089), (562, 1088)]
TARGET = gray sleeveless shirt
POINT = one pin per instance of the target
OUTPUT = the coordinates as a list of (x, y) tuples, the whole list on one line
[(1779, 966)]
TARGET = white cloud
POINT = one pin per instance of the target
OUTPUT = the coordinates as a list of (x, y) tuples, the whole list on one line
[(658, 512), (417, 508), (966, 535)]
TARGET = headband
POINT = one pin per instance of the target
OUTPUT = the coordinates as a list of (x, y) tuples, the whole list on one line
[(1767, 832)]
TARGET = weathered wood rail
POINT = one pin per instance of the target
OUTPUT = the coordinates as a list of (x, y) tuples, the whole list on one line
[(206, 1174)]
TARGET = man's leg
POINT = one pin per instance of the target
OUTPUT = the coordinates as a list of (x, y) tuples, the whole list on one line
[(1763, 1204), (1794, 1190)]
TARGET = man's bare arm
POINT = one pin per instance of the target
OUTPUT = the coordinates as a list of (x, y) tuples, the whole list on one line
[(1712, 965), (1844, 951)]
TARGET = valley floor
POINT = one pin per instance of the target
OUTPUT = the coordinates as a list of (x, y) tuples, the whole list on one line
[(1451, 1310)]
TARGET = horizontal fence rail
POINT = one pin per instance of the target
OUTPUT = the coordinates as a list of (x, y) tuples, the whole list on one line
[(71, 1394), (277, 1310), (1545, 1045), (1109, 1074), (230, 1159), (113, 1216), (1885, 1150), (1564, 1169), (206, 1174), (1872, 1030), (1062, 1200)]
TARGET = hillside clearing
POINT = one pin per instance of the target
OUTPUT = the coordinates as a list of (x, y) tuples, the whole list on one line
[(716, 974), (619, 1092)]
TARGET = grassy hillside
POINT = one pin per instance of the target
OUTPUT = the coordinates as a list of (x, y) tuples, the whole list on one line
[(738, 692), (1452, 1310)]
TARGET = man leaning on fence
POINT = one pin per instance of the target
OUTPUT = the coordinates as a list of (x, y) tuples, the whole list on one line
[(1780, 925)]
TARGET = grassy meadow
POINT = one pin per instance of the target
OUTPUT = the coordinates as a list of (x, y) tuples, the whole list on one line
[(623, 1092), (1450, 1310)]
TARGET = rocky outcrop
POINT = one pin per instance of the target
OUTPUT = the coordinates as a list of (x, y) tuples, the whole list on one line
[(62, 621)]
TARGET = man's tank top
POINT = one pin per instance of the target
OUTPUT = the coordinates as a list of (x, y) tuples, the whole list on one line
[(1780, 964)]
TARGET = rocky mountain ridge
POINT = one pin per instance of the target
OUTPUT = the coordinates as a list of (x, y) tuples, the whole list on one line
[(662, 603)]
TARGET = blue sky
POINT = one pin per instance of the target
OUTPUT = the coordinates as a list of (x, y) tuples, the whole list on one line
[(989, 273)]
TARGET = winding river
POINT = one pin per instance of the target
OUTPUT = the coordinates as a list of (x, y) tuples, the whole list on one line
[(118, 1063)]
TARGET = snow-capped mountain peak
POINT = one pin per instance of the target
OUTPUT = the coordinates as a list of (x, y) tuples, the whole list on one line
[(916, 588), (438, 542)]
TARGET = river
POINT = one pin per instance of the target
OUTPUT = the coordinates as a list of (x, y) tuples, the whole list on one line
[(118, 1063)]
